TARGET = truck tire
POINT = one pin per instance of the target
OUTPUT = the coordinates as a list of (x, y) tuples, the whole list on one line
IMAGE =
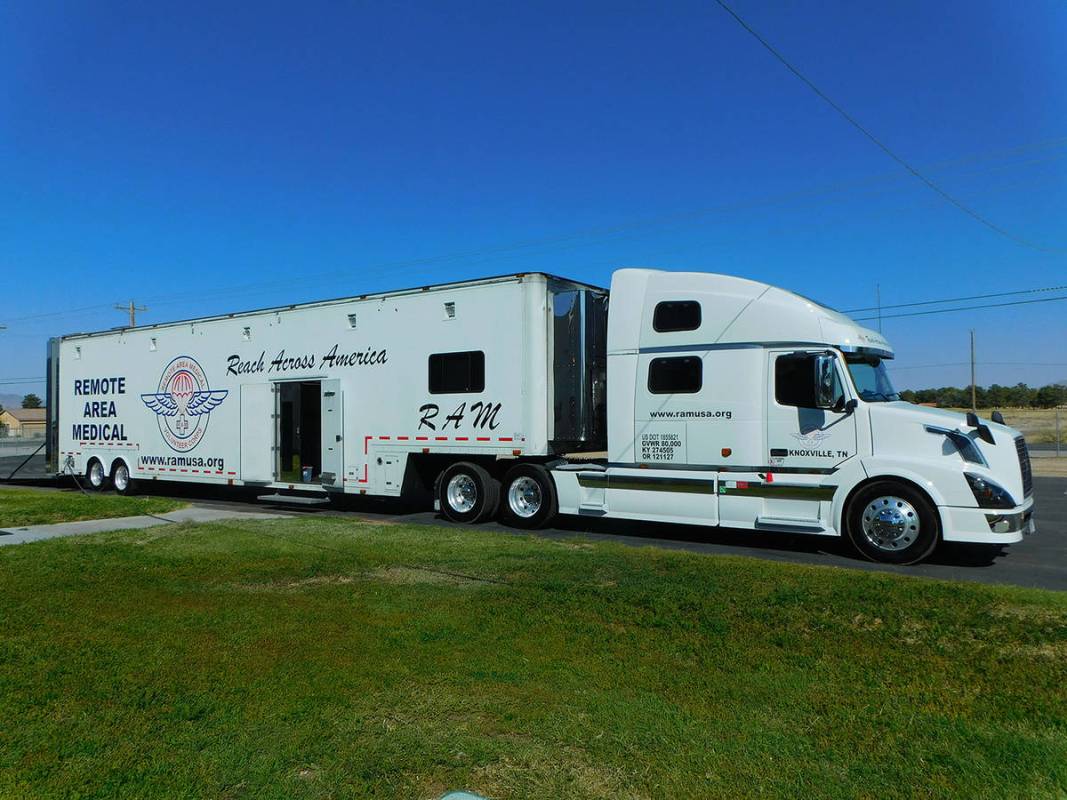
[(529, 497), (892, 522), (121, 480), (467, 493), (95, 475)]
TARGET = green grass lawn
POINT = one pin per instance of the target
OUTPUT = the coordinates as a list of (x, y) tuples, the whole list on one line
[(324, 658), (19, 507)]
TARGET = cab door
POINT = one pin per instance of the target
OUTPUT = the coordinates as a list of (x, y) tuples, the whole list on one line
[(802, 437)]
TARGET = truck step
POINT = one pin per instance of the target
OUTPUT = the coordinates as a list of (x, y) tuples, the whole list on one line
[(294, 499), (789, 522)]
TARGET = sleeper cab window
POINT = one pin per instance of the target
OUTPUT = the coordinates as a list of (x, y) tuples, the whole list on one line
[(676, 315), (678, 375), (457, 373)]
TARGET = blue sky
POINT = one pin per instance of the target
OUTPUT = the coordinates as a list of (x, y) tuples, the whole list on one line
[(205, 158)]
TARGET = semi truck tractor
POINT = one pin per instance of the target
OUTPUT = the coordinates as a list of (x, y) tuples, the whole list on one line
[(680, 397)]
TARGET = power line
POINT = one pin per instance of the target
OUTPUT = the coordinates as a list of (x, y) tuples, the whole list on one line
[(956, 299), (881, 145), (964, 308), (981, 364), (593, 234)]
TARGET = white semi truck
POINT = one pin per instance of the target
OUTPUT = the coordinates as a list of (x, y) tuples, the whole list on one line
[(717, 401)]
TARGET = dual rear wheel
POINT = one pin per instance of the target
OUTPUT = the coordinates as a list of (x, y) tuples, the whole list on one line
[(524, 498), (120, 478)]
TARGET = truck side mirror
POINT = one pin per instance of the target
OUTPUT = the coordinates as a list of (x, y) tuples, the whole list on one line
[(825, 396)]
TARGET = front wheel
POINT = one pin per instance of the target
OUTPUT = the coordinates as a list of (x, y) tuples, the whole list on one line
[(893, 523), (467, 493), (529, 497)]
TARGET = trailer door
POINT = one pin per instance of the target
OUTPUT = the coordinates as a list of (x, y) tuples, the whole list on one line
[(333, 439), (259, 420)]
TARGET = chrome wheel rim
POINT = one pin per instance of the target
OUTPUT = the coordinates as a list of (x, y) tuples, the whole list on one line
[(462, 493), (122, 477), (524, 497), (891, 523), (96, 475)]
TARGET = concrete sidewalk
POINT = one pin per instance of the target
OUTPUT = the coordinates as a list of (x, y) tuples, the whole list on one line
[(36, 533)]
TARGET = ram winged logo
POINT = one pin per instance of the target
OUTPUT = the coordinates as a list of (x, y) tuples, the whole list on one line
[(183, 403), (811, 438)]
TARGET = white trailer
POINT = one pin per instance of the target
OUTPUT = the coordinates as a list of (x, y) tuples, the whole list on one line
[(718, 401)]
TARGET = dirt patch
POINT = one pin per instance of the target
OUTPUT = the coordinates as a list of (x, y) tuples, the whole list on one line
[(1039, 616), (1048, 651), (405, 575), (570, 768), (290, 584), (1049, 467)]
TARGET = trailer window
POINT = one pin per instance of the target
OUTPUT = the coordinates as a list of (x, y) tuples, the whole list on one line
[(684, 375), (676, 315), (457, 373)]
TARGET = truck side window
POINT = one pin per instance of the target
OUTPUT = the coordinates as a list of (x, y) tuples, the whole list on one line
[(456, 373), (683, 375), (676, 315), (794, 380)]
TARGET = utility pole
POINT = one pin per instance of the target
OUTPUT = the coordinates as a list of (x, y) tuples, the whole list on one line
[(974, 390), (878, 294), (132, 310)]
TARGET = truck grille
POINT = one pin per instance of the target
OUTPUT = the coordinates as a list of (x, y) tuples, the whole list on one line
[(1024, 465)]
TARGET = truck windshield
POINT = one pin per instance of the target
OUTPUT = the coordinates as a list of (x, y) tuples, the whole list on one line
[(871, 379)]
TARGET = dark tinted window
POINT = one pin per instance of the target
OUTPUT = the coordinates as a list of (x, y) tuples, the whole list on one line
[(794, 380), (683, 375), (453, 373), (676, 315)]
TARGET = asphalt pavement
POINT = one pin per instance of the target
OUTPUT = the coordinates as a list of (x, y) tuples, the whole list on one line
[(1039, 560)]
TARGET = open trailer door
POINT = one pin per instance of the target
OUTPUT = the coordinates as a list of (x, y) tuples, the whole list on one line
[(259, 421), (333, 439)]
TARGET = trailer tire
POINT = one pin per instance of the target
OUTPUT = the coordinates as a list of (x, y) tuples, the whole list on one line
[(892, 522), (529, 497), (122, 481), (467, 493), (95, 475)]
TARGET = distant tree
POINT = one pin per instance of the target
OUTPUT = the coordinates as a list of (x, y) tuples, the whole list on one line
[(1050, 396), (31, 401), (996, 396)]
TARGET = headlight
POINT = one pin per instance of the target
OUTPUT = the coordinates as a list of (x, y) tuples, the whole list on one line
[(987, 493)]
